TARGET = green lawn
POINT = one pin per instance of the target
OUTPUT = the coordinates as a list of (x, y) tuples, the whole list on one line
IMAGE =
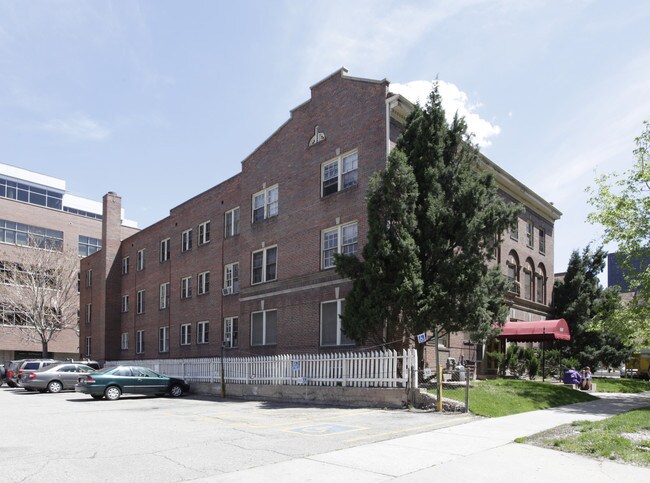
[(625, 437), (606, 384), (501, 397)]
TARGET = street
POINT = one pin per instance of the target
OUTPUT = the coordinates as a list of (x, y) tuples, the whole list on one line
[(71, 437)]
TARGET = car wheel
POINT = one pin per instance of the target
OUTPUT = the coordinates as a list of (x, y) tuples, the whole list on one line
[(176, 390), (112, 393), (54, 386), (97, 396)]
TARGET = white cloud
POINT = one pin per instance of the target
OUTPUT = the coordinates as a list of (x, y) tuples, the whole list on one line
[(78, 127), (453, 101)]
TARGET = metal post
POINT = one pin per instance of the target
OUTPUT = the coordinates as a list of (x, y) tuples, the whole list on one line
[(223, 376), (467, 374), (439, 373), (543, 364)]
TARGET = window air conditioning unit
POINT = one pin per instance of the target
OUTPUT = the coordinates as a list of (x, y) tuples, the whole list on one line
[(227, 291)]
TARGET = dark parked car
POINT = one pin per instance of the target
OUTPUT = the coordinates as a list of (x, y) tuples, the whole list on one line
[(55, 378), (114, 381), (11, 372)]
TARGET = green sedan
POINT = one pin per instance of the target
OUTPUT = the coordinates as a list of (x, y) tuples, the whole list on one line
[(115, 381)]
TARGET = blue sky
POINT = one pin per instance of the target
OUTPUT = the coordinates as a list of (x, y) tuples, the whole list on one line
[(161, 100)]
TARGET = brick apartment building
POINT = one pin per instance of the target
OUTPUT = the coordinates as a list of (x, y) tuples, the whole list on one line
[(34, 206), (249, 262)]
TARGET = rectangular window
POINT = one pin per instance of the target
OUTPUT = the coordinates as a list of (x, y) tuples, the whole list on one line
[(125, 303), (204, 233), (164, 295), (340, 239), (186, 287), (331, 332), (539, 289), (202, 332), (124, 341), (139, 265), (139, 302), (89, 341), (186, 334), (231, 331), (339, 174), (232, 223), (514, 231), (163, 339), (542, 241), (186, 240), (264, 265), (264, 327), (89, 313), (203, 283), (88, 245), (265, 204), (125, 266), (231, 279), (139, 342), (529, 234), (30, 236), (89, 278), (164, 250)]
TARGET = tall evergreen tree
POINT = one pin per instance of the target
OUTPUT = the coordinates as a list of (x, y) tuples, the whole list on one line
[(460, 217), (581, 300), (435, 217)]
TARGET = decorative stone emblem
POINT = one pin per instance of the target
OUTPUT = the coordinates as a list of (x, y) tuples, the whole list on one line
[(317, 137)]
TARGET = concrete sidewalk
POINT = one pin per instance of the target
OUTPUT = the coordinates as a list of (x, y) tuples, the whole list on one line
[(479, 451)]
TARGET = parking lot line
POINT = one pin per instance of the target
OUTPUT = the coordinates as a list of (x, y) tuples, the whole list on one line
[(418, 429)]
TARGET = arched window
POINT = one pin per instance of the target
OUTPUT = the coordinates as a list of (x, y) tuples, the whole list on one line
[(540, 284), (513, 272), (528, 280)]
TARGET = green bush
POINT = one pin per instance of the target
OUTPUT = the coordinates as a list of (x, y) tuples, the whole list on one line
[(533, 367)]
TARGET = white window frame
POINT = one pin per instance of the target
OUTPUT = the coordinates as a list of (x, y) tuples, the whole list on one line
[(186, 240), (125, 265), (265, 341), (203, 283), (89, 277), (164, 250), (88, 346), (231, 332), (530, 234), (163, 339), (203, 332), (186, 334), (186, 287), (89, 313), (125, 303), (231, 222), (328, 247), (269, 203), (340, 170), (265, 265), (230, 281), (139, 302), (204, 233), (139, 261), (139, 342), (164, 293), (339, 329), (124, 341), (541, 234)]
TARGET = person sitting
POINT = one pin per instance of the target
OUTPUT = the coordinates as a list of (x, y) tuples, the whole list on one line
[(585, 379), (571, 376)]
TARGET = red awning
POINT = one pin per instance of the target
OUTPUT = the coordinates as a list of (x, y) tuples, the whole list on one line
[(535, 331)]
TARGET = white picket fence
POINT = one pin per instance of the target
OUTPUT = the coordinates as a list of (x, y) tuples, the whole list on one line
[(350, 369)]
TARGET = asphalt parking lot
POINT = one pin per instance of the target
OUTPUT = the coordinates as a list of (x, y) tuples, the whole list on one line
[(71, 437)]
